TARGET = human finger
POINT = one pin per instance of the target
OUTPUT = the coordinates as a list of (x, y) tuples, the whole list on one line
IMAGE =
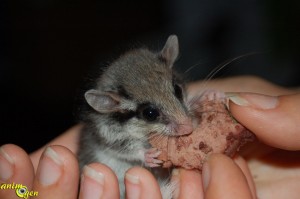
[(274, 120), (188, 184), (222, 178), (246, 171), (15, 169), (68, 139), (140, 183), (57, 174), (98, 181)]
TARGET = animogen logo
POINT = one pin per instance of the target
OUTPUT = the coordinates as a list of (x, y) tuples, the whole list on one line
[(21, 190)]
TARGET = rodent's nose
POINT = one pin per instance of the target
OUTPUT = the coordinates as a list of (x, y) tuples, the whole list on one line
[(185, 127)]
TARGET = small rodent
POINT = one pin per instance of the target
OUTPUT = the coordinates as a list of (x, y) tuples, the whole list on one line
[(138, 94)]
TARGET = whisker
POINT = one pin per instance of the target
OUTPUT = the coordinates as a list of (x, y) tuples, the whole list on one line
[(223, 65), (192, 67)]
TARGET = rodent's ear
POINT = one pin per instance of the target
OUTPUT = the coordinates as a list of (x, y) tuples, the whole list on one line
[(103, 102), (170, 51)]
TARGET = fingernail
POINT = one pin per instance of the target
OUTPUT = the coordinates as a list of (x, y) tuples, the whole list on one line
[(6, 166), (51, 167), (92, 183), (205, 175), (133, 188), (175, 172), (254, 100)]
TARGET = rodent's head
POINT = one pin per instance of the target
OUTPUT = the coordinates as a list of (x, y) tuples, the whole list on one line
[(141, 90)]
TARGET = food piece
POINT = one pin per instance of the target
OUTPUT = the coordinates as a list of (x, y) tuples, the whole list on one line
[(216, 132)]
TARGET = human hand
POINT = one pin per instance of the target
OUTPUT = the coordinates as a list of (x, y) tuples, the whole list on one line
[(53, 172), (276, 122), (57, 175)]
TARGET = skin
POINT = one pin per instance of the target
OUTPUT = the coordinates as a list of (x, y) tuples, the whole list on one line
[(250, 175)]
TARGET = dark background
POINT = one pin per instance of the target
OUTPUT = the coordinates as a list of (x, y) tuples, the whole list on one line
[(48, 48)]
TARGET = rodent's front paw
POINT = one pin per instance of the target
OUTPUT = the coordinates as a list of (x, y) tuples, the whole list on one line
[(211, 95), (151, 156)]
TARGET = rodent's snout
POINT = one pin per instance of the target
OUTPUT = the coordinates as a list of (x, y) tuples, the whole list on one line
[(183, 127)]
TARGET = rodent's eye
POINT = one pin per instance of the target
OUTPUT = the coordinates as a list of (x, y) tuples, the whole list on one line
[(150, 113), (178, 91)]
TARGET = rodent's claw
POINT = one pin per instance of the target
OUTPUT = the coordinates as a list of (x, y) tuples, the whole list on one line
[(153, 163), (151, 156), (153, 152)]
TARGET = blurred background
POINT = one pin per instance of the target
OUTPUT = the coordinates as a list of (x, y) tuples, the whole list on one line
[(51, 48)]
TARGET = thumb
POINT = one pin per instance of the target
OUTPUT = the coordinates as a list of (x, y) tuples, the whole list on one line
[(275, 120), (222, 178)]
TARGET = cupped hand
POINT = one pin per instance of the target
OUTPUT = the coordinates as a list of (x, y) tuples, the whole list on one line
[(53, 172), (57, 176)]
